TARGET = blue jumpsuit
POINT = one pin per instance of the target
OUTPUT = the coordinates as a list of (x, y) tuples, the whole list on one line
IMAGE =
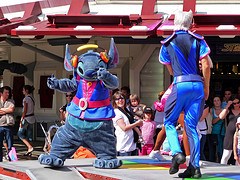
[(183, 50)]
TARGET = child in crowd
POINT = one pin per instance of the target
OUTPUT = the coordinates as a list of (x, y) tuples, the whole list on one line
[(236, 143), (148, 131), (135, 107)]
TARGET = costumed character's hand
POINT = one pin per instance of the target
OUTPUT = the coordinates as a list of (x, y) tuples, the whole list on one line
[(52, 82), (102, 74)]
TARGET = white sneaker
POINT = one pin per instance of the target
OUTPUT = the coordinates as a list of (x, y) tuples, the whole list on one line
[(156, 155)]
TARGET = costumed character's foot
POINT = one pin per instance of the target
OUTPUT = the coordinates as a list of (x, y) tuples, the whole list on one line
[(50, 160), (177, 159), (156, 155), (107, 164), (191, 172)]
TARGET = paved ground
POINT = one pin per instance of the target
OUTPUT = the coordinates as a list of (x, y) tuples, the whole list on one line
[(134, 167), (22, 149)]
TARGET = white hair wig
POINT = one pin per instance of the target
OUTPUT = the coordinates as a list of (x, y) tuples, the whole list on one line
[(183, 20)]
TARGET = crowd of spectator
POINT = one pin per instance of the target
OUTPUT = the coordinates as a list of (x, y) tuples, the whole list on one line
[(216, 127)]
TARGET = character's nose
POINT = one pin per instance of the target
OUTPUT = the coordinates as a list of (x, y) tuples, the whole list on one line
[(90, 73)]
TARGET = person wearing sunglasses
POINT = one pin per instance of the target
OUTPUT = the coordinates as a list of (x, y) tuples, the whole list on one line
[(124, 126), (62, 110), (231, 113)]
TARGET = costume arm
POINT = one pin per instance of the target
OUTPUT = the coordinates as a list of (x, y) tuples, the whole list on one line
[(108, 79), (169, 68), (63, 85)]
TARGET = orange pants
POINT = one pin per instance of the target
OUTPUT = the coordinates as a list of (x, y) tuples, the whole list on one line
[(162, 135)]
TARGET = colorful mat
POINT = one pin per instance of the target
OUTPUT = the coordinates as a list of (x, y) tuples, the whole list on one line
[(148, 164), (151, 164)]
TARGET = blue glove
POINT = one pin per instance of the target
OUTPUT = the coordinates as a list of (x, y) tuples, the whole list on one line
[(52, 82)]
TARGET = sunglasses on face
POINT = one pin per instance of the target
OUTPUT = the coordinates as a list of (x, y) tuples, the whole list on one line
[(68, 95), (119, 98), (235, 103)]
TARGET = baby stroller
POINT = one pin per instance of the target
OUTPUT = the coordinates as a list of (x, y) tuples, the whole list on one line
[(49, 136)]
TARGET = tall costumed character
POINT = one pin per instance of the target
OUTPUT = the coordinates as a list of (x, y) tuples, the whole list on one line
[(89, 121)]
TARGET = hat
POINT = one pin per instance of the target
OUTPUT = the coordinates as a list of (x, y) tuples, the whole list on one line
[(147, 110), (238, 121)]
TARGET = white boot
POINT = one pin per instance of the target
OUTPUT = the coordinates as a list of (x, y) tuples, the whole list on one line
[(156, 155), (187, 160)]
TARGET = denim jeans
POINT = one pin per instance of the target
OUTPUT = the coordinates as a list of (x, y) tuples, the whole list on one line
[(100, 139), (26, 131), (5, 131)]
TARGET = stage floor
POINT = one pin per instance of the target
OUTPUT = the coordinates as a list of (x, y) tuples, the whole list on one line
[(134, 167)]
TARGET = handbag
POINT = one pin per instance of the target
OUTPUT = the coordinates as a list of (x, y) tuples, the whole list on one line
[(10, 119), (13, 154)]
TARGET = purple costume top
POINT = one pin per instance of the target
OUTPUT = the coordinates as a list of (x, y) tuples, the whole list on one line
[(187, 43), (91, 101)]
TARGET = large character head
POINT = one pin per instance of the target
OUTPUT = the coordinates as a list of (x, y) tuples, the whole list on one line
[(87, 64), (183, 20)]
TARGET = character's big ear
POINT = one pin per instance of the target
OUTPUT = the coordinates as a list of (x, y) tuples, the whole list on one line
[(113, 55), (67, 59)]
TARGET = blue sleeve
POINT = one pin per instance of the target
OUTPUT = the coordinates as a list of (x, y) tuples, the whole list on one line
[(204, 49), (164, 57)]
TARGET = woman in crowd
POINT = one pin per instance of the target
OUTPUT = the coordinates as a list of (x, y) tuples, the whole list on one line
[(25, 131), (218, 131), (123, 126), (236, 143), (231, 112)]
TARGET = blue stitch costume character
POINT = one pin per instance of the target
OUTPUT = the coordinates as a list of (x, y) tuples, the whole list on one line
[(181, 53), (89, 122)]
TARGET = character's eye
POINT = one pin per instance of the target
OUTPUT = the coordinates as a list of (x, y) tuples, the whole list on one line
[(101, 64), (80, 63)]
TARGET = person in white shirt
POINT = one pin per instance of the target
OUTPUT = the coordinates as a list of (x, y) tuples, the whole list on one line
[(124, 126), (25, 131)]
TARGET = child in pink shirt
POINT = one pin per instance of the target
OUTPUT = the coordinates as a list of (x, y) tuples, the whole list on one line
[(148, 131)]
